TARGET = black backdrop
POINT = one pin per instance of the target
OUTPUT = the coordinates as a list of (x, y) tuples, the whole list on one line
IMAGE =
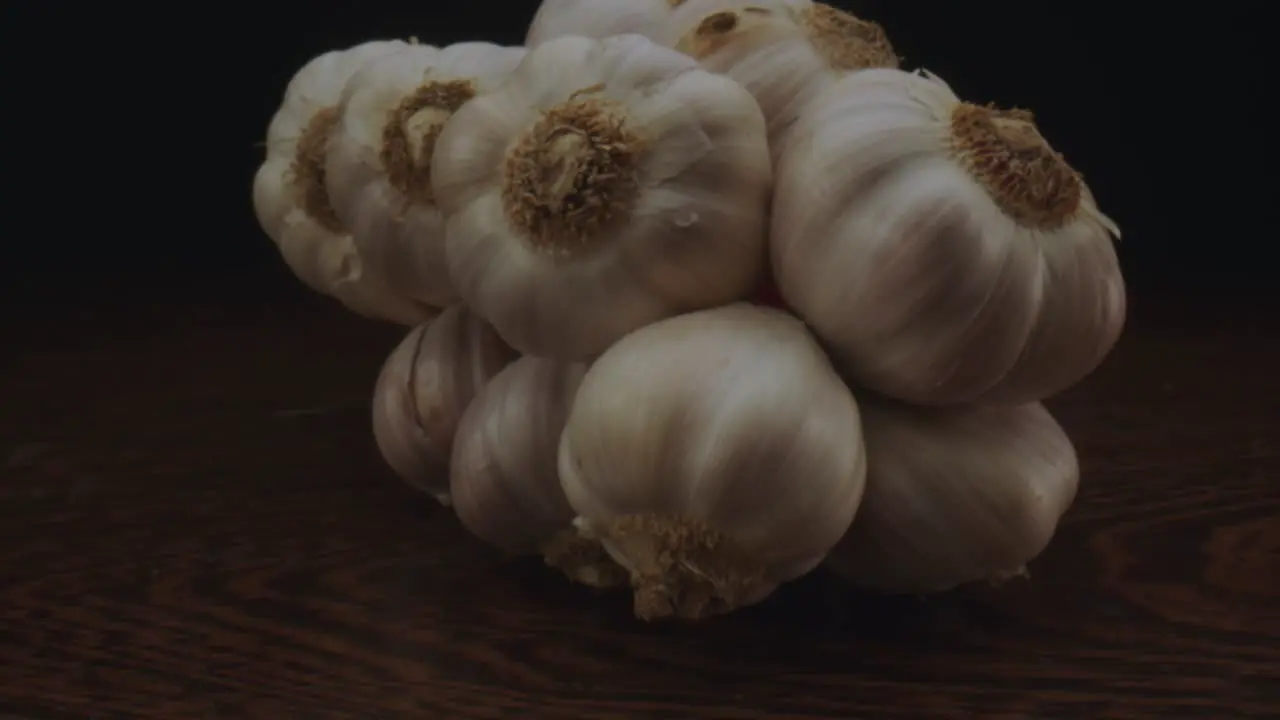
[(139, 125)]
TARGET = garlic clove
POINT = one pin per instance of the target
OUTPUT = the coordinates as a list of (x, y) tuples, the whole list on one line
[(378, 165), (607, 185), (943, 251), (504, 481), (955, 495), (715, 455), (424, 387), (597, 18), (784, 52), (290, 199)]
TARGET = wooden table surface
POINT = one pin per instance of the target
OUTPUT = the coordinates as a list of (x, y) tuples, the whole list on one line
[(194, 523)]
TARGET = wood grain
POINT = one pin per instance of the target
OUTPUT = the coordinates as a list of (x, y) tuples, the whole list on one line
[(194, 523)]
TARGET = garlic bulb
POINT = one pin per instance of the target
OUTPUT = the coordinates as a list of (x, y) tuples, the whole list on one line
[(715, 455), (289, 195), (379, 165), (504, 481), (784, 52), (424, 387), (597, 18), (944, 251), (607, 185), (955, 495)]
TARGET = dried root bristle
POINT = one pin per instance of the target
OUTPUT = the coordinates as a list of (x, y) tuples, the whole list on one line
[(410, 133), (847, 42), (675, 3), (583, 560), (683, 568), (307, 169), (1004, 152), (572, 173)]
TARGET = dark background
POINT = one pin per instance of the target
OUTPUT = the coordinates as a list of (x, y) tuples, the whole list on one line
[(138, 127)]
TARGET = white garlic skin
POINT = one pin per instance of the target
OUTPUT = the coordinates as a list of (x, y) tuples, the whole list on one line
[(773, 48), (693, 236), (955, 495), (923, 288), (504, 480), (732, 417), (596, 19), (423, 389), (400, 237), (325, 258)]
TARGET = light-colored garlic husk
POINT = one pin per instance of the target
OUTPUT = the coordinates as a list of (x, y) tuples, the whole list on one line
[(715, 455), (424, 387), (785, 52), (955, 495), (379, 164), (504, 481), (597, 19), (291, 201), (608, 184), (943, 250)]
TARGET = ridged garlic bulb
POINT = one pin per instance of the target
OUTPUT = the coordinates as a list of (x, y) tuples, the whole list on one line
[(379, 164), (424, 387), (955, 495), (607, 185), (944, 251), (504, 480), (785, 52), (597, 18), (715, 455), (291, 201)]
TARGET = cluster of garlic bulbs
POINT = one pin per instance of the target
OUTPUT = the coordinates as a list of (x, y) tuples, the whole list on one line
[(581, 234)]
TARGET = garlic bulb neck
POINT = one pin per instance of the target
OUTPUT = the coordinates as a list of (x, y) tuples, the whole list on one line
[(681, 567), (1008, 157), (846, 42), (572, 172), (409, 136), (583, 560), (308, 169)]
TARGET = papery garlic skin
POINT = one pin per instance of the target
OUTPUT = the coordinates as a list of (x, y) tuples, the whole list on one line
[(378, 166), (608, 184), (504, 480), (597, 18), (784, 52), (955, 495), (944, 252), (716, 455), (424, 387), (290, 200)]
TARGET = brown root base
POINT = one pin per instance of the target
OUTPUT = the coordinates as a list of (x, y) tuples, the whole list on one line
[(846, 42), (1003, 151), (682, 568), (583, 560), (308, 171), (572, 173)]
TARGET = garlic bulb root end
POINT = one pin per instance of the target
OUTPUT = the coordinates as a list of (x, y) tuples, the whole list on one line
[(308, 170), (571, 173), (718, 29), (410, 133), (845, 41), (682, 568), (583, 560), (1007, 156)]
